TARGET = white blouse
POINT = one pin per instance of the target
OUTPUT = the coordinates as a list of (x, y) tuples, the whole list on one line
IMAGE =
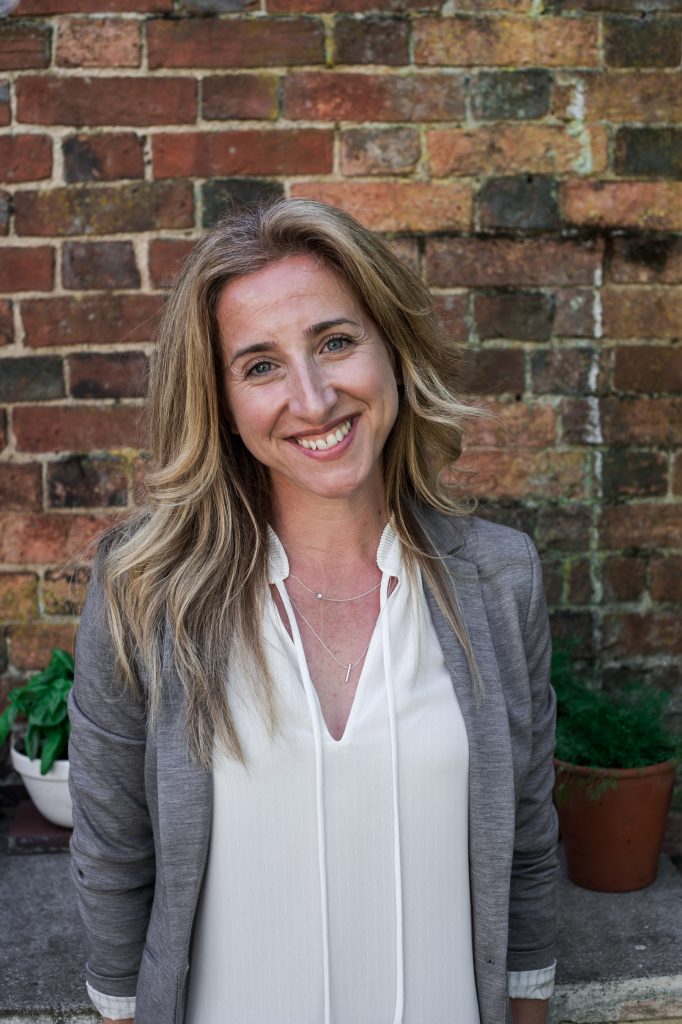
[(337, 881)]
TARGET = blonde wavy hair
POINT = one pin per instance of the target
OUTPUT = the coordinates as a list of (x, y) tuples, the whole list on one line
[(192, 563)]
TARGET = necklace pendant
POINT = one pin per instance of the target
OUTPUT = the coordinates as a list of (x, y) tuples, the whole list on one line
[(348, 673), (318, 596)]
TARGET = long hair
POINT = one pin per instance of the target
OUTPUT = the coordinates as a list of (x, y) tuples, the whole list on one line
[(192, 563)]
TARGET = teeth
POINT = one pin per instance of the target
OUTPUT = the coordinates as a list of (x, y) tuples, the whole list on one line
[(320, 444)]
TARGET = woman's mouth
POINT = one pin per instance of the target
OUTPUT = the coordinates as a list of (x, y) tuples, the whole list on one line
[(326, 441)]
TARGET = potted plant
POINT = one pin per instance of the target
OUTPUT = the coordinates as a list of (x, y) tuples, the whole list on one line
[(40, 746), (615, 769)]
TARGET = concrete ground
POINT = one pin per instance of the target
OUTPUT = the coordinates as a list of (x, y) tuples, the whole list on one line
[(619, 955)]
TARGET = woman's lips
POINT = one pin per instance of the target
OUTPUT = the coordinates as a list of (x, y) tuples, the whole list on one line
[(347, 428)]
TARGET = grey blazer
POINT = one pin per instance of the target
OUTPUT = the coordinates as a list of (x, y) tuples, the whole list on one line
[(142, 808)]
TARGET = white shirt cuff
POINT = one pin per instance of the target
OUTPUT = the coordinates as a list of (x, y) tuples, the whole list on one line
[(115, 1007), (537, 984)]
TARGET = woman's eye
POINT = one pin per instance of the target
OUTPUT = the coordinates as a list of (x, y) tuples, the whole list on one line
[(337, 343), (259, 369)]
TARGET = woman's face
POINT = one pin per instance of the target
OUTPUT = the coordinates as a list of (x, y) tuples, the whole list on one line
[(309, 382)]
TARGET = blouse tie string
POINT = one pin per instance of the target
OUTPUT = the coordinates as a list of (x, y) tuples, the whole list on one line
[(315, 712)]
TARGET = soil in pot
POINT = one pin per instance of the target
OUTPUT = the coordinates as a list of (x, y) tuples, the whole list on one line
[(612, 822)]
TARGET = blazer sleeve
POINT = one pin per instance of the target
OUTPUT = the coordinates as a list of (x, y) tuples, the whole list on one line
[(112, 845), (532, 908)]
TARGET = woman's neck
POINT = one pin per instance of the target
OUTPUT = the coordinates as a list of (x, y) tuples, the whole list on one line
[(330, 536)]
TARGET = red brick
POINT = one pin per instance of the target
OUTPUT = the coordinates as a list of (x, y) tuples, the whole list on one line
[(5, 113), (98, 43), (506, 475), (580, 590), (453, 311), (5, 200), (239, 96), (628, 473), (6, 323), (237, 43), (518, 42), (31, 646), (77, 428), (25, 157), (103, 157), (646, 526), (379, 151), (206, 155), (498, 262), (510, 148), (666, 578), (93, 319), (518, 425), (623, 578), (635, 312), (648, 368), (396, 206), (636, 259), (100, 375), (31, 379), (94, 6), (641, 420), (81, 210), (493, 371), (18, 596), (651, 205), (20, 486), (24, 45), (636, 634), (49, 537), (353, 96), (93, 265), (64, 591), (561, 371), (26, 269), (99, 101), (517, 315), (374, 39), (166, 257), (351, 6), (633, 96), (87, 481), (576, 314)]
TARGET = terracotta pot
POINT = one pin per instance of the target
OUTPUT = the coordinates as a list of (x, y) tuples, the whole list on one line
[(612, 822)]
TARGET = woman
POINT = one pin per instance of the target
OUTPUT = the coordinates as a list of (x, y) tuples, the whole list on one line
[(311, 725)]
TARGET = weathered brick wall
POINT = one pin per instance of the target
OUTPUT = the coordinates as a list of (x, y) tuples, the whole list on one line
[(526, 156)]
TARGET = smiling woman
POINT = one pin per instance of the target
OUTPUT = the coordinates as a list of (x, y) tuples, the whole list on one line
[(311, 723)]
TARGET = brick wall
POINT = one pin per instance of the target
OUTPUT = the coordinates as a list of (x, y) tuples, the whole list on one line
[(526, 156)]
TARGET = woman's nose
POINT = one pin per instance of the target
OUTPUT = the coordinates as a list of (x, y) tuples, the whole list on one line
[(311, 394)]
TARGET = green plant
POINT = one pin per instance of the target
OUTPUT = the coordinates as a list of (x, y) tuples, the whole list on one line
[(43, 703), (608, 730)]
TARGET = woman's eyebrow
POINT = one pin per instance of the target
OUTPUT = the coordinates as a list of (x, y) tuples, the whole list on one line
[(271, 346), (324, 325)]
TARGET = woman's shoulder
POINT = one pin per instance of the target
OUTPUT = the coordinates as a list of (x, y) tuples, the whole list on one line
[(488, 545)]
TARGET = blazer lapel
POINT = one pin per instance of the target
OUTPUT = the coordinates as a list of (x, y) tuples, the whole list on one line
[(185, 805), (491, 783)]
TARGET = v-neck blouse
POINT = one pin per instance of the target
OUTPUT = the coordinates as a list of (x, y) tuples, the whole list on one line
[(337, 883)]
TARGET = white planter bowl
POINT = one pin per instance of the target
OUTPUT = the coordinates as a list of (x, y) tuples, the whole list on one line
[(50, 792)]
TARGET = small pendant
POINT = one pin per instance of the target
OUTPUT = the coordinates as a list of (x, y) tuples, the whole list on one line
[(318, 596), (348, 673)]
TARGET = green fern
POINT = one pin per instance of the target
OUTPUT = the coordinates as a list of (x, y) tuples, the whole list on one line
[(608, 730)]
